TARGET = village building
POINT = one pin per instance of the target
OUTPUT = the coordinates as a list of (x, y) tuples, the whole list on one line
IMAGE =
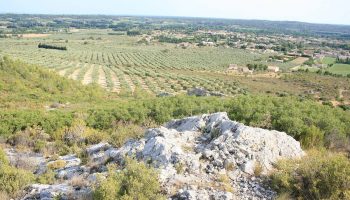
[(274, 69), (184, 44), (234, 68)]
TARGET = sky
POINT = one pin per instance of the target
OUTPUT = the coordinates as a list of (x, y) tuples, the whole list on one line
[(315, 11)]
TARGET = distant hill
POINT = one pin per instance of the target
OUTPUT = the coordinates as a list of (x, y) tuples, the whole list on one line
[(23, 22), (26, 84)]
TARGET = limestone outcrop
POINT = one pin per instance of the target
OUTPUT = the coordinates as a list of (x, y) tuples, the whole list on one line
[(200, 157)]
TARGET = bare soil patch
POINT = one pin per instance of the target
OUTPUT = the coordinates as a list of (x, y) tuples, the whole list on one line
[(35, 35), (299, 60)]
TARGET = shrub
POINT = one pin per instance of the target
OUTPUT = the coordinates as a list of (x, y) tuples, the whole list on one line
[(313, 137), (39, 146), (124, 132), (73, 134), (135, 181), (78, 181), (13, 180), (58, 164), (225, 183), (30, 137), (47, 178), (180, 168), (320, 175), (258, 169), (3, 158), (93, 136)]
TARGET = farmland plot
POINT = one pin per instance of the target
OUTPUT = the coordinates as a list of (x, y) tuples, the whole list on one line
[(119, 63)]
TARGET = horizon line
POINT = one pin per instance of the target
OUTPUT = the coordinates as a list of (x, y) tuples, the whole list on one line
[(170, 16)]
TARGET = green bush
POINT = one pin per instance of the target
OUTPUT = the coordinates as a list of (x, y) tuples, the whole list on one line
[(3, 158), (135, 181), (13, 180), (124, 132), (12, 121), (319, 175), (47, 178), (305, 120)]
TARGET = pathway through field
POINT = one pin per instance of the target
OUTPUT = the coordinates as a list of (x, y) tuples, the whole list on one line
[(88, 76), (75, 73), (62, 72), (102, 77)]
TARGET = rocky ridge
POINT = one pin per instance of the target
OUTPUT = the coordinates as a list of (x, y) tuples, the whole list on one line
[(200, 157)]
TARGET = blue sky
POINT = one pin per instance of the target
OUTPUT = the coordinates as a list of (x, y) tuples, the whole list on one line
[(319, 11)]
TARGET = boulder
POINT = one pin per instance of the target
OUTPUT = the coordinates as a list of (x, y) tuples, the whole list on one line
[(213, 143), (199, 92), (25, 160), (97, 148), (51, 192), (196, 157)]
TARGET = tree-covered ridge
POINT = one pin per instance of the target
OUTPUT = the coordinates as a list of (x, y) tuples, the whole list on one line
[(23, 22)]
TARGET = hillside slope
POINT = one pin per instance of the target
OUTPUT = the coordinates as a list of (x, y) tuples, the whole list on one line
[(27, 86)]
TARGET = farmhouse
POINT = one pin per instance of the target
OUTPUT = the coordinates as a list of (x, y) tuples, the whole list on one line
[(246, 70), (308, 53), (294, 54), (273, 69), (184, 44), (234, 68), (211, 44)]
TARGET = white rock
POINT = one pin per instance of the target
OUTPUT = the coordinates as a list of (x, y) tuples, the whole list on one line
[(191, 154), (97, 148)]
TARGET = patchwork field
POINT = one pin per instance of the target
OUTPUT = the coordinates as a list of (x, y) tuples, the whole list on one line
[(328, 60), (121, 63)]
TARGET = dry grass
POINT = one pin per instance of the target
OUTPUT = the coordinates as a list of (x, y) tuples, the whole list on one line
[(258, 169), (78, 181), (299, 60), (187, 148), (34, 35), (24, 163), (224, 180), (58, 164), (230, 166), (4, 196)]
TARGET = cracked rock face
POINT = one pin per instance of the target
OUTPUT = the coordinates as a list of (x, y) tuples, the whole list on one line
[(192, 153), (201, 157)]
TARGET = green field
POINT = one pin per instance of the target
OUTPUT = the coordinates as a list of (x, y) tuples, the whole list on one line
[(342, 69), (328, 60)]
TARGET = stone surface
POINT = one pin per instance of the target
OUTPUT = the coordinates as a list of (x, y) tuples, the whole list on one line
[(200, 157), (201, 92), (194, 150), (24, 160), (52, 192)]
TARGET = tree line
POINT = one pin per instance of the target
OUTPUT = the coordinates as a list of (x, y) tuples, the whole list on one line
[(47, 46), (343, 60)]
